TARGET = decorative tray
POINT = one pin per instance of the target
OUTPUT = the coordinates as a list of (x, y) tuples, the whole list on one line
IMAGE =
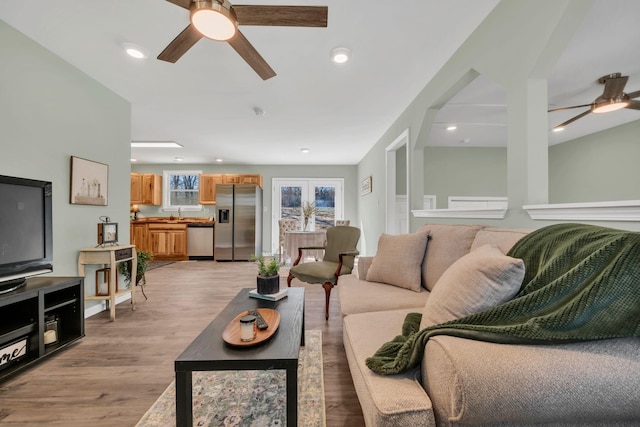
[(231, 334)]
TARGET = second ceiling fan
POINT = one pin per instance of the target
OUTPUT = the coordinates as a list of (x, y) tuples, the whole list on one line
[(219, 20), (613, 98)]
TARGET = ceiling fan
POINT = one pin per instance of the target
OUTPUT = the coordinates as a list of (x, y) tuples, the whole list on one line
[(613, 98), (219, 20)]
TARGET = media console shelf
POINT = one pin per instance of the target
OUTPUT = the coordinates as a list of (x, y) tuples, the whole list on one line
[(23, 320)]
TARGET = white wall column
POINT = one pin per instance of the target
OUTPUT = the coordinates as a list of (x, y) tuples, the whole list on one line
[(528, 143)]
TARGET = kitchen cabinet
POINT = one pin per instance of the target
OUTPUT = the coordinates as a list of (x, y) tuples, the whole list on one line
[(208, 182), (251, 179), (229, 178), (207, 193), (146, 189), (139, 237), (168, 241)]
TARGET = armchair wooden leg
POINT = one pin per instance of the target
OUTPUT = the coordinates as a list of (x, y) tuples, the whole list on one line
[(327, 292), (289, 279)]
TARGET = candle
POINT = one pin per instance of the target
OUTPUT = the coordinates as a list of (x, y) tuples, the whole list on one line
[(247, 328)]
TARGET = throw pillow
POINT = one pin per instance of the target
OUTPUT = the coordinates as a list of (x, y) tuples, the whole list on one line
[(482, 279), (399, 259)]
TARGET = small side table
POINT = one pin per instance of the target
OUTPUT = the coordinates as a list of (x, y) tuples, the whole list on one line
[(110, 256)]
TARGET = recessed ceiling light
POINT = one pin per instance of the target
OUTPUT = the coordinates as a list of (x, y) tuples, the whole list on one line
[(178, 159), (155, 144), (134, 160), (465, 141), (134, 51), (305, 150), (451, 128), (340, 55), (219, 160)]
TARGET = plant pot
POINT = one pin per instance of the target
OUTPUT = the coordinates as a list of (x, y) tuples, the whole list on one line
[(268, 285)]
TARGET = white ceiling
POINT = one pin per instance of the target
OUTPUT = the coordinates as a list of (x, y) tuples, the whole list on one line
[(206, 100)]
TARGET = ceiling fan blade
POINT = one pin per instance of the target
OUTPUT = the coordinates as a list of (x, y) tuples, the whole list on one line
[(180, 45), (573, 119), (182, 3), (613, 87), (634, 105), (568, 108), (285, 16), (246, 50), (634, 94)]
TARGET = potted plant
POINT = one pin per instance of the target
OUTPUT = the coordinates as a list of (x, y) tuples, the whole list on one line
[(308, 210), (143, 259), (268, 280)]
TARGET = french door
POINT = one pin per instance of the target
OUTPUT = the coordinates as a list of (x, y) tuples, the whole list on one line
[(289, 195)]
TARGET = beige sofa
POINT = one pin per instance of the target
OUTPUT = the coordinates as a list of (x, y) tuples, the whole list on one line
[(463, 382)]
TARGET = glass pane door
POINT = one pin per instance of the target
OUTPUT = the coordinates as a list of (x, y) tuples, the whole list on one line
[(290, 202), (290, 194), (324, 197)]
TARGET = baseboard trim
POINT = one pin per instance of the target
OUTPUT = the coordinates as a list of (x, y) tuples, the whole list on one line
[(102, 306)]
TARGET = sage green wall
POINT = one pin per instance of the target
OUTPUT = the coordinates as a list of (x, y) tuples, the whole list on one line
[(529, 36), (50, 111), (464, 171), (268, 172), (598, 167)]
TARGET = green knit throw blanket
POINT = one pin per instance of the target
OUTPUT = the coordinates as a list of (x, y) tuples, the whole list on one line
[(582, 282)]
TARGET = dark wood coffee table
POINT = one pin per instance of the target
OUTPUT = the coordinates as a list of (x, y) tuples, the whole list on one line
[(208, 352)]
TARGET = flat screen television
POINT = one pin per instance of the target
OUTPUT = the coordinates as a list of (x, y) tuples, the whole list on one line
[(26, 230)]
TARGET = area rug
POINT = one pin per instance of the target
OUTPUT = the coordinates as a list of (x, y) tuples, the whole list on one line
[(250, 398)]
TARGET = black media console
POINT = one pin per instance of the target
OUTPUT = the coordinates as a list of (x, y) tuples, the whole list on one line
[(45, 303)]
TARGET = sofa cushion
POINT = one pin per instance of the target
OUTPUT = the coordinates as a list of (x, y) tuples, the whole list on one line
[(504, 238), (360, 296), (479, 280), (448, 243), (386, 400), (399, 259), (595, 383)]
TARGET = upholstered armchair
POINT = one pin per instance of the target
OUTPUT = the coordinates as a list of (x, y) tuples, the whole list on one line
[(339, 254), (285, 225)]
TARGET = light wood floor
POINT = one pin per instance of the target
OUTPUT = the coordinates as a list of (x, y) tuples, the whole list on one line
[(116, 372)]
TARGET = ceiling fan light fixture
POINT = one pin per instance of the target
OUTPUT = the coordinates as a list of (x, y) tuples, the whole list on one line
[(213, 20), (608, 105)]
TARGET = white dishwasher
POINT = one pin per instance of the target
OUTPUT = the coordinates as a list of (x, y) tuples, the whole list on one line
[(200, 241)]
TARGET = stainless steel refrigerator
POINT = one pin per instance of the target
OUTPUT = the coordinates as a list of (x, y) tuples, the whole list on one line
[(239, 222)]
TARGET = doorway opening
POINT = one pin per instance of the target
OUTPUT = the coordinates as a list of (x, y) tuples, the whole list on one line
[(397, 176)]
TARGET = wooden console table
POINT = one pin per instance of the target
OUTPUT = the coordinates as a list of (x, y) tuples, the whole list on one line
[(110, 256)]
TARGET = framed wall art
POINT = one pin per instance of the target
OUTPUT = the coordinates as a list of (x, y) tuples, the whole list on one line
[(89, 182), (365, 186)]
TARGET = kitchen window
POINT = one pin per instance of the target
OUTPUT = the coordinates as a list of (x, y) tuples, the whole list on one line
[(181, 189)]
